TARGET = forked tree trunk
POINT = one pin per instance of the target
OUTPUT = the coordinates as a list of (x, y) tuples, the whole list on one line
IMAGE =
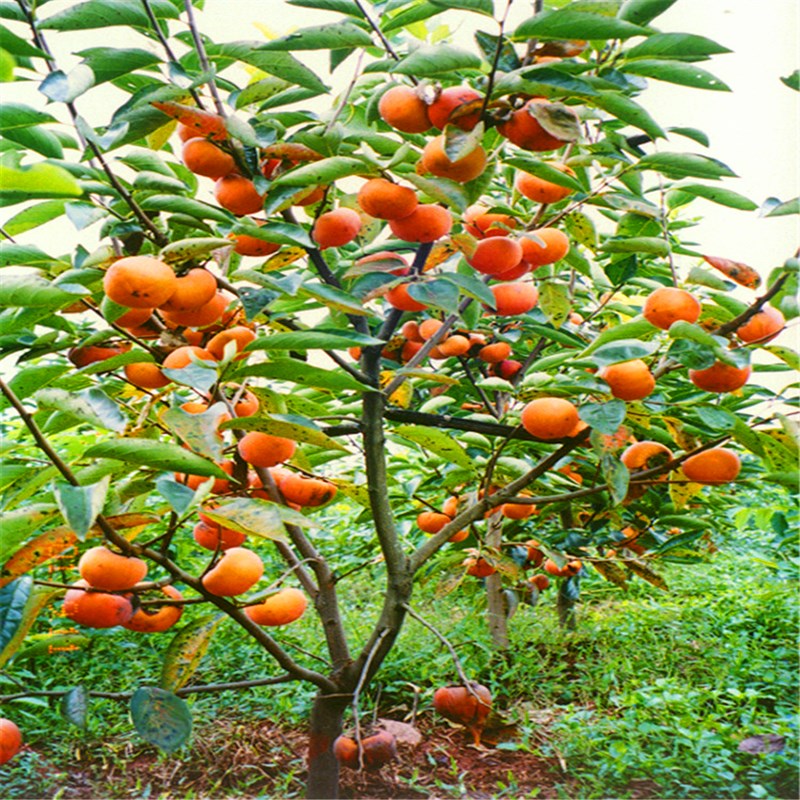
[(327, 715)]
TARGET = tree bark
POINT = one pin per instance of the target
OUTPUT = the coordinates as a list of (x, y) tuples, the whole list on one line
[(497, 613), (327, 714)]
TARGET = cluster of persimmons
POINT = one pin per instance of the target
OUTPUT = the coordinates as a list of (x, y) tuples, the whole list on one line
[(196, 309)]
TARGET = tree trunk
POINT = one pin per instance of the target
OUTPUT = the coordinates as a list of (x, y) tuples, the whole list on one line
[(323, 769), (497, 610), (567, 598)]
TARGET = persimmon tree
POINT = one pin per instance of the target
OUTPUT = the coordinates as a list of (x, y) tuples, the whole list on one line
[(457, 298)]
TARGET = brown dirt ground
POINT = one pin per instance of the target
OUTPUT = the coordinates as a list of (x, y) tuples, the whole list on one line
[(240, 759)]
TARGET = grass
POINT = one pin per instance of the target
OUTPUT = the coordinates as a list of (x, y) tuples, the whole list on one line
[(652, 686)]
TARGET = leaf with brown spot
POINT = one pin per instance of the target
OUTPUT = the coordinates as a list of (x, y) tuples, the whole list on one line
[(290, 151), (741, 273), (38, 551), (612, 572), (439, 254), (646, 573)]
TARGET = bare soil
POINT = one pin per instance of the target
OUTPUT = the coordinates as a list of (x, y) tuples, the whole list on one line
[(241, 759)]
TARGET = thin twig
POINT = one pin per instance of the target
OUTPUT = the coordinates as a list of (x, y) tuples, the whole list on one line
[(203, 57), (443, 639), (362, 679)]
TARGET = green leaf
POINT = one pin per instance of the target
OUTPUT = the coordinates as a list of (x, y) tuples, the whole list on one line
[(318, 339), (569, 24), (198, 431), (104, 14), (692, 133), (642, 12), (793, 80), (442, 190), (7, 64), (38, 139), (37, 180), (334, 298), (554, 302), (332, 36), (37, 600), (19, 524), (13, 599), (302, 374), (92, 406), (437, 293), (18, 115), (342, 6), (33, 291), (472, 286), (191, 249), (325, 171), (408, 16), (74, 706), (485, 7), (80, 505), (785, 354), (716, 194), (162, 456), (259, 518), (684, 165), (437, 441), (625, 109), (296, 428), (17, 46), (108, 63), (654, 245), (617, 477), (675, 45), (183, 205), (30, 379), (784, 209), (604, 417), (622, 350), (178, 495), (186, 650), (508, 61), (62, 87), (544, 171), (429, 60), (51, 642), (161, 718), (635, 329), (280, 64), (677, 72)]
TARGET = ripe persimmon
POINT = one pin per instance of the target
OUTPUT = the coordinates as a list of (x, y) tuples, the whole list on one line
[(384, 199), (263, 450), (93, 353), (386, 260), (431, 521), (629, 380), (238, 334), (103, 569), (426, 223), (96, 609), (478, 567), (404, 110), (399, 297), (202, 317), (541, 582), (336, 228), (238, 570), (281, 608), (495, 352), (572, 567), (720, 377), (204, 158), (517, 510), (481, 223), (220, 485), (646, 455), (192, 290), (669, 304), (238, 194), (181, 357), (763, 326), (549, 418), (247, 245), (514, 298), (211, 536), (496, 255), (139, 282), (455, 345), (541, 191), (469, 707), (10, 740), (544, 246), (146, 375), (715, 466), (157, 619), (436, 161), (456, 105), (428, 327), (134, 317), (525, 131), (304, 491)]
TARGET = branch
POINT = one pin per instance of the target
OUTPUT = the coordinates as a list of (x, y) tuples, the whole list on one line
[(496, 60), (362, 679), (737, 322), (384, 41), (459, 669), (203, 57), (113, 536)]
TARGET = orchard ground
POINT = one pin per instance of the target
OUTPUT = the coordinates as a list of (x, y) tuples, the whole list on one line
[(583, 715)]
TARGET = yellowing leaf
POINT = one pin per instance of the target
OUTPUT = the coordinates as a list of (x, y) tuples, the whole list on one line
[(186, 651), (682, 490), (159, 137), (286, 256), (645, 572), (676, 428)]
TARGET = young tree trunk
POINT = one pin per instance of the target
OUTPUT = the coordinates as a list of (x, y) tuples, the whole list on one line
[(497, 611), (567, 598), (327, 714)]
